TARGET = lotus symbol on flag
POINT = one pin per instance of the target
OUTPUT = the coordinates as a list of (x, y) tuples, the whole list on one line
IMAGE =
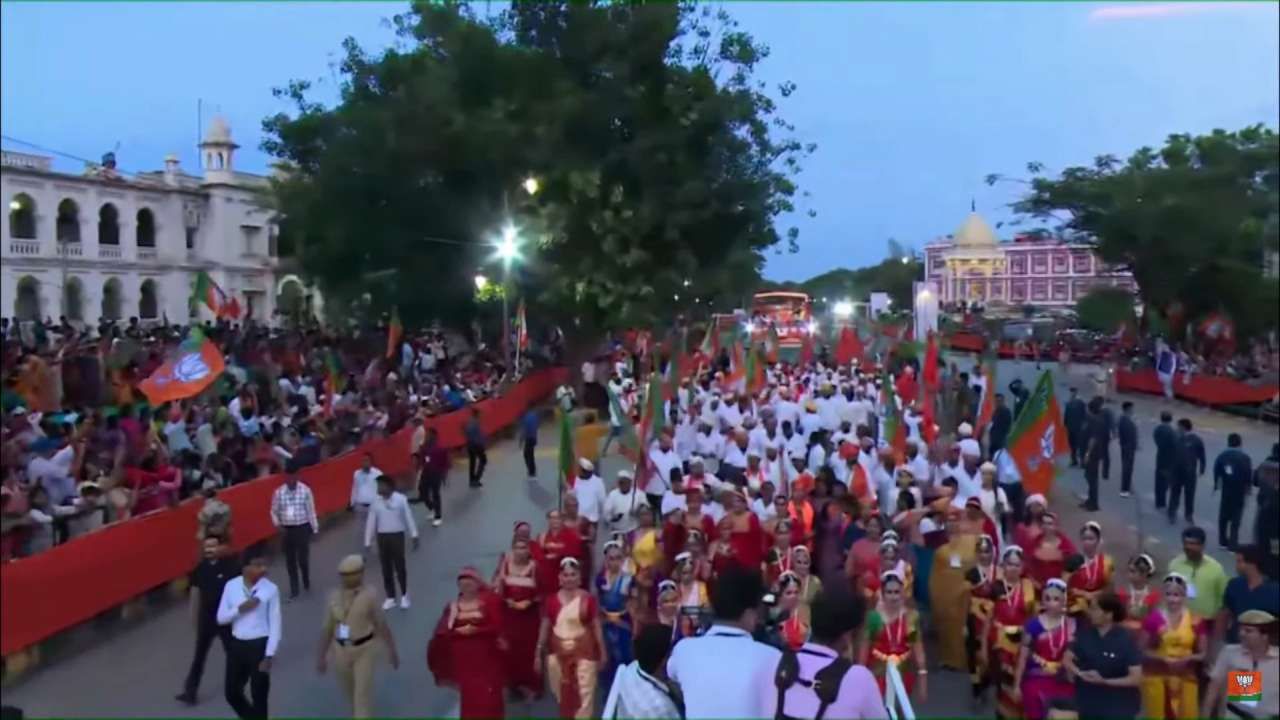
[(1244, 681), (1046, 443), (190, 368)]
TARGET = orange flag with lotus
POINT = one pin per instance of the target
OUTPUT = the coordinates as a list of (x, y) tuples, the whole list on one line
[(195, 367)]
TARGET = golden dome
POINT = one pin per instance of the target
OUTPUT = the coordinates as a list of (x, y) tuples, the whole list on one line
[(975, 233)]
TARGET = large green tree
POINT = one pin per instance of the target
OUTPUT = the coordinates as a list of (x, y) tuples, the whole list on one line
[(1192, 221), (659, 159)]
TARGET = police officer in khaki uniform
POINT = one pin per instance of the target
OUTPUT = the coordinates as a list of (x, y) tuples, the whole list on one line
[(352, 622)]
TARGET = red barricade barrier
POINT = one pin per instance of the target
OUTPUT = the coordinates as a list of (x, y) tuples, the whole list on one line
[(72, 583), (1202, 389)]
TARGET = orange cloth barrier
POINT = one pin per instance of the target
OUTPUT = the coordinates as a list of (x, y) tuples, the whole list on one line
[(1203, 389), (55, 590)]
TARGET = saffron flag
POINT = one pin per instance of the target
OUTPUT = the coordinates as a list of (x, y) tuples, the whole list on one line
[(931, 370), (566, 449), (207, 291), (395, 331), (987, 403), (522, 327), (849, 347), (806, 350), (774, 344), (1038, 437), (333, 379), (197, 364)]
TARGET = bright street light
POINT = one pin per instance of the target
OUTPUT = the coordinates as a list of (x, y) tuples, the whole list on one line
[(906, 259), (508, 250), (15, 204), (531, 185), (843, 309), (813, 327), (481, 282)]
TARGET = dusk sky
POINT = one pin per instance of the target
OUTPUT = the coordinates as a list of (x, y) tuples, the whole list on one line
[(911, 104)]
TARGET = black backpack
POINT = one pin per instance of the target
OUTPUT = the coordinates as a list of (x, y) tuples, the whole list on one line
[(826, 682)]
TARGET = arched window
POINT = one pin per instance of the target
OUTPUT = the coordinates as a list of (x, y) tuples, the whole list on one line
[(146, 229), (68, 221), (22, 217), (108, 225), (148, 302), (111, 299), (73, 299), (290, 301), (26, 306)]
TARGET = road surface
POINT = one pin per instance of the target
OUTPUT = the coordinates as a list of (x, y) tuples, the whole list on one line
[(137, 672)]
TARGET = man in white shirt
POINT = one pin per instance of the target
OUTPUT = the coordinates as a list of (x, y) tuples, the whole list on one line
[(250, 604), (293, 511), (708, 446), (785, 409), (389, 520), (50, 468), (364, 490), (664, 459), (591, 494), (721, 672), (918, 464), (728, 413), (621, 504)]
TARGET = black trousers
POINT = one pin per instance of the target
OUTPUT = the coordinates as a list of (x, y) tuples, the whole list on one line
[(243, 659), (1016, 497), (1105, 451), (297, 556), (1230, 511), (207, 630), (1183, 484), (1076, 442), (1162, 485), (1126, 468), (477, 459), (655, 502), (1091, 466), (529, 464), (391, 556), (429, 490)]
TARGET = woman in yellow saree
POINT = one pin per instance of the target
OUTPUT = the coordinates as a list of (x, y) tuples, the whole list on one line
[(1174, 639), (949, 592)]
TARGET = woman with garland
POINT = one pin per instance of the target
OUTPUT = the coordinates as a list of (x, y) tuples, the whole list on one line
[(1015, 604), (1040, 676), (1174, 640), (615, 593), (810, 584), (571, 636), (791, 628), (667, 609), (892, 636), (982, 582), (1090, 571), (695, 601), (777, 559), (1139, 596), (516, 582)]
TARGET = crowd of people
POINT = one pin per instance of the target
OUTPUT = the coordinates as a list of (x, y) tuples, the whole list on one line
[(82, 447), (769, 530)]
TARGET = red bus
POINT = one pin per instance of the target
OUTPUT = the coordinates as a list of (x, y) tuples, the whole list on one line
[(790, 312)]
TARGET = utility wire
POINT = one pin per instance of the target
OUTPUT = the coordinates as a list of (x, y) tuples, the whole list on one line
[(60, 153)]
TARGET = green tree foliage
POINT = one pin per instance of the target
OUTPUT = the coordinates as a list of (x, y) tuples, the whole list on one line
[(659, 157), (1191, 220), (1105, 309)]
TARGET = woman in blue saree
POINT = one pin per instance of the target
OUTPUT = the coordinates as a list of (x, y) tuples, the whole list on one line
[(614, 589)]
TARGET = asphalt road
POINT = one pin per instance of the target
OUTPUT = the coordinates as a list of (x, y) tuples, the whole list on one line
[(137, 672)]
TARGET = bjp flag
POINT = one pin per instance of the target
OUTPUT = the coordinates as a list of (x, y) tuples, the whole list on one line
[(196, 366), (1038, 438)]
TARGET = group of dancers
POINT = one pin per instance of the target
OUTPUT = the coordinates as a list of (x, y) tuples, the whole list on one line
[(928, 529)]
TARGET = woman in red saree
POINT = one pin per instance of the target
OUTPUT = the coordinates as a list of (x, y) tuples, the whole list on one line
[(516, 582), (674, 537), (891, 636), (723, 554), (558, 542), (778, 558), (570, 518), (747, 536), (1014, 605), (1138, 596), (862, 562), (1090, 571), (465, 650), (1047, 556), (572, 637)]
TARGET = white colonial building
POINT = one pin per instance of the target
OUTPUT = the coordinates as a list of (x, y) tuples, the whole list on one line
[(103, 245), (972, 266)]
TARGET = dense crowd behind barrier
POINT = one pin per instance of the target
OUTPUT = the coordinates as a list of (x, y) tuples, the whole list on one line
[(47, 593)]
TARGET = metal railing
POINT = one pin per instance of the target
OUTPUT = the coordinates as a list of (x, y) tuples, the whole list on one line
[(896, 700)]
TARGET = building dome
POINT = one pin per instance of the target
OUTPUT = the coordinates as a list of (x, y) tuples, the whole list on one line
[(975, 233), (219, 132)]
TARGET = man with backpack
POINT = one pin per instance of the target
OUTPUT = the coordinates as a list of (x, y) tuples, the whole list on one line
[(816, 682)]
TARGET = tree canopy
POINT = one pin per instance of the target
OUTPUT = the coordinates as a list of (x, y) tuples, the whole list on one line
[(657, 154), (1192, 221)]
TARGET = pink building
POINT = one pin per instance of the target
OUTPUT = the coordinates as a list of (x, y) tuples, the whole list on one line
[(973, 265)]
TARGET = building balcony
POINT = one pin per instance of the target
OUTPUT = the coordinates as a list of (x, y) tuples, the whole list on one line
[(147, 254), (24, 248), (70, 249), (110, 252)]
